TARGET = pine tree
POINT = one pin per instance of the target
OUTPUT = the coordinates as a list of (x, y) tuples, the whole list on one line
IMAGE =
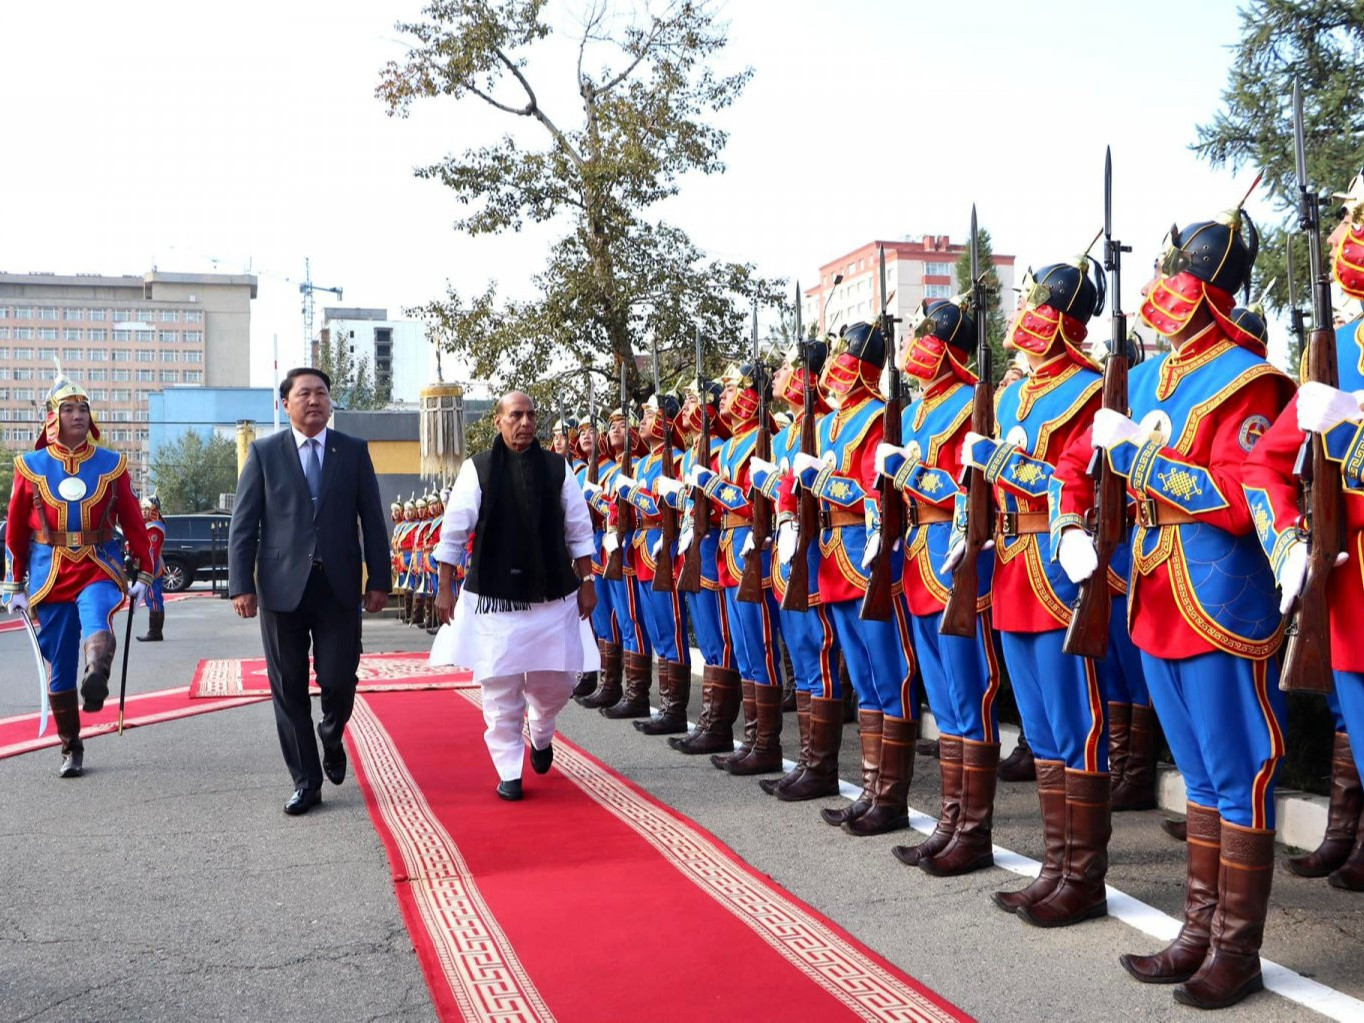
[(995, 323)]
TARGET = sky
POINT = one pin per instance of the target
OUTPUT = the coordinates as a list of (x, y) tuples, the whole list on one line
[(247, 138)]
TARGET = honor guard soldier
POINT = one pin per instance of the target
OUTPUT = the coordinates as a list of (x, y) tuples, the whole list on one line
[(1060, 697), (604, 624), (395, 512), (632, 699), (665, 614), (878, 654), (753, 626), (63, 563), (960, 673), (156, 542), (405, 541), (1272, 488), (721, 686), (435, 508), (809, 633), (417, 562), (1201, 603)]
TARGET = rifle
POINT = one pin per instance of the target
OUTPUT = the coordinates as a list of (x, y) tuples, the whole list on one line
[(959, 616), (593, 470), (751, 582), (1296, 321), (876, 603), (690, 581), (663, 564), (1087, 633), (1307, 649), (797, 595), (625, 515)]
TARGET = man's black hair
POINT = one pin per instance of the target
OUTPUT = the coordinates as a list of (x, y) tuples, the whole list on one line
[(287, 384)]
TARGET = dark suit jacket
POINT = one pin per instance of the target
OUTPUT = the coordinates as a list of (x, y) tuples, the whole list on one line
[(274, 531)]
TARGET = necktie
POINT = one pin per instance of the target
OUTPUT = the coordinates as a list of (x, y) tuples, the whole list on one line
[(312, 468)]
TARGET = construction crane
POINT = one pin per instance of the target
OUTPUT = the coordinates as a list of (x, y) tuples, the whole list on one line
[(306, 289)]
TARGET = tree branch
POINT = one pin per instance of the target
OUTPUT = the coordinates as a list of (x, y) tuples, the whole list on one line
[(533, 110)]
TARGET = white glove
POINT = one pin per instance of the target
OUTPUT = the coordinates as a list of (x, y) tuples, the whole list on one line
[(872, 549), (591, 489), (696, 476), (1321, 407), (757, 464), (610, 542), (136, 592), (748, 545), (954, 555), (623, 484), (968, 448), (786, 542), (1292, 572), (1077, 554), (804, 463), (1113, 428), (18, 603), (684, 538), (884, 452), (667, 486)]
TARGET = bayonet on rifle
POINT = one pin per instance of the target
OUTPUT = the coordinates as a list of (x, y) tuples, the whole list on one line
[(690, 580), (876, 602), (664, 581), (797, 595), (751, 582)]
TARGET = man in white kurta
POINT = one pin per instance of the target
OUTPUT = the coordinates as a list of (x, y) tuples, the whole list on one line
[(525, 654)]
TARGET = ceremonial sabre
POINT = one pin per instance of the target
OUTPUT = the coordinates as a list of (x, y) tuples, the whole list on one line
[(127, 643), (42, 673)]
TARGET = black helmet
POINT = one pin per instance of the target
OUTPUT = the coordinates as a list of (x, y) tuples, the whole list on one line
[(1219, 252), (813, 351), (948, 322), (866, 342), (1069, 289)]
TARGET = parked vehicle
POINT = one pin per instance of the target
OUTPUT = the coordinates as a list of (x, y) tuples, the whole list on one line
[(196, 547)]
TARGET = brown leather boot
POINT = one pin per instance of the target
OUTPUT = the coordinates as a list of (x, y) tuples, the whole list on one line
[(1232, 968), (749, 702), (587, 683), (1137, 788), (764, 756), (1119, 741), (1180, 960), (1178, 830), (820, 777), (639, 679), (1020, 764), (1350, 876), (156, 621), (869, 726), (67, 716), (1051, 796), (949, 760), (418, 610), (674, 692), (890, 807), (720, 701), (608, 691), (771, 785), (1089, 825), (99, 661), (971, 847), (850, 707), (1342, 816)]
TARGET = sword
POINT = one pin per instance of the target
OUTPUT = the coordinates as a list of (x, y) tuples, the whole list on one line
[(127, 644), (42, 673)]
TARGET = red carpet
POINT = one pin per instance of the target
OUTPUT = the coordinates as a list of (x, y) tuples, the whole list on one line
[(378, 673), (590, 900), (20, 734)]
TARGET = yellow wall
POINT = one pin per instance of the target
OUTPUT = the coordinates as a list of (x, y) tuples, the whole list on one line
[(395, 457)]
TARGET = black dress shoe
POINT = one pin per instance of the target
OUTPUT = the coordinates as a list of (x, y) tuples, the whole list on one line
[(509, 790), (540, 759), (302, 801), (334, 763)]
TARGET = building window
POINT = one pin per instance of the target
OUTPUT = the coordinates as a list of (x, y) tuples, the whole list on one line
[(47, 313), (23, 394), (170, 376), (194, 316), (4, 333), (937, 291), (194, 376), (146, 376), (144, 335), (122, 355), (123, 335), (167, 337), (23, 334), (123, 395), (169, 355), (26, 373), (193, 337), (4, 312), (96, 374), (74, 354), (142, 415), (47, 333), (4, 372), (47, 354), (97, 314), (121, 374), (23, 353), (170, 316), (937, 269), (96, 334), (73, 334), (22, 312), (73, 314), (98, 355), (194, 356), (146, 355), (99, 394)]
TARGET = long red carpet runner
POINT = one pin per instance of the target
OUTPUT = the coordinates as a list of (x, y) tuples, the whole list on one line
[(537, 910), (377, 673)]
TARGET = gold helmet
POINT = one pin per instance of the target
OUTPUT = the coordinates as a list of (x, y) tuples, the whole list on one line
[(63, 389)]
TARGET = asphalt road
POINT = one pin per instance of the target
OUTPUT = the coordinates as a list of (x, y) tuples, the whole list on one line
[(167, 885)]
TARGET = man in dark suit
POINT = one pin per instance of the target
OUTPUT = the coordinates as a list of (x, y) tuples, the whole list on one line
[(295, 555)]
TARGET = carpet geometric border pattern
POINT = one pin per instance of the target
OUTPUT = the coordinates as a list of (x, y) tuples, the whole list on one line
[(400, 671), (474, 972)]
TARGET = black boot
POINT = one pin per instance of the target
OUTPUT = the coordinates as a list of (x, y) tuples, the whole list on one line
[(720, 702), (68, 720), (155, 621)]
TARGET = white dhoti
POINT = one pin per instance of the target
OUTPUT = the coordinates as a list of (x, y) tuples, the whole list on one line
[(526, 663)]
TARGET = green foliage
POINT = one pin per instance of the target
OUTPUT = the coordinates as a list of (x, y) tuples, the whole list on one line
[(1321, 44), (188, 474), (6, 472), (616, 276), (995, 323), (353, 386)]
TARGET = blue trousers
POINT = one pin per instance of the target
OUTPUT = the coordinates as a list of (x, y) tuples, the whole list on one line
[(1061, 698), (604, 623), (62, 625), (156, 596), (1223, 718), (813, 643), (879, 656), (665, 620), (961, 677), (629, 612), (1347, 706), (1121, 669), (711, 626), (753, 628)]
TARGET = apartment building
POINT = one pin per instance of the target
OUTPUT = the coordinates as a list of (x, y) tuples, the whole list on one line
[(397, 351), (121, 338)]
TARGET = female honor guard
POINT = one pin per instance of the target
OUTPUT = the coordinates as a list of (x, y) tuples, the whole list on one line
[(62, 559), (155, 599)]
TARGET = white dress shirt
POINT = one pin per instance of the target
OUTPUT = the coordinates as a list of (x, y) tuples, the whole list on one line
[(301, 439)]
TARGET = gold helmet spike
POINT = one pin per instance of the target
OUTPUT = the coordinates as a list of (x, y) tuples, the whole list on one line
[(1352, 200), (63, 388)]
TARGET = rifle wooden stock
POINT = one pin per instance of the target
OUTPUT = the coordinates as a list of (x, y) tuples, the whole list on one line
[(625, 519), (1307, 650), (664, 581), (797, 595), (690, 580), (751, 582), (959, 616), (876, 602), (1087, 633)]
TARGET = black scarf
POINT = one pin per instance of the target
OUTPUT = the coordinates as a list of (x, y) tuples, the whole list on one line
[(520, 556)]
